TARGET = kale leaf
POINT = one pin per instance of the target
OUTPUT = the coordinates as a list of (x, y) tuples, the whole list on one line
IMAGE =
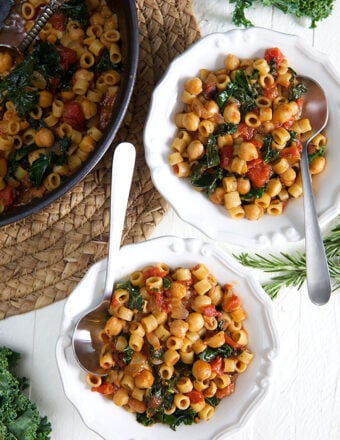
[(16, 87), (316, 10), (104, 63), (267, 152), (317, 153), (160, 399), (136, 300), (19, 417), (210, 353), (75, 10), (39, 168)]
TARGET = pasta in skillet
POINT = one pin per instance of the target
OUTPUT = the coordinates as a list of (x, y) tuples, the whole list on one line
[(173, 345), (55, 104), (239, 135)]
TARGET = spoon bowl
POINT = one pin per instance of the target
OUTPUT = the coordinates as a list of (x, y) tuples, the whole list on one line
[(318, 280), (86, 341)]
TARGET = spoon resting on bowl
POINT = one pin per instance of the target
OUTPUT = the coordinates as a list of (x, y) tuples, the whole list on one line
[(318, 280), (17, 52), (86, 341)]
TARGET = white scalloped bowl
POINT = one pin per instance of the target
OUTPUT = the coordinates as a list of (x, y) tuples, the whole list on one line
[(112, 422), (194, 207)]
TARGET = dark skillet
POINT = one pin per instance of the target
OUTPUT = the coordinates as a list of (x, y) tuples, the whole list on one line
[(127, 16)]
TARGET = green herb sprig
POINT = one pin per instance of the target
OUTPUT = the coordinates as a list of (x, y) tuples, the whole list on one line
[(290, 270)]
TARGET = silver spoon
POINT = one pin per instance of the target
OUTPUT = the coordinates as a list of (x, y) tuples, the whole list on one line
[(18, 51), (86, 341), (318, 280)]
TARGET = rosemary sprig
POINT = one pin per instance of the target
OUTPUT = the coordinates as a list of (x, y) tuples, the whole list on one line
[(290, 270)]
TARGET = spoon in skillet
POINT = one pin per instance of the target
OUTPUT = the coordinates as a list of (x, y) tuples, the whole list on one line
[(318, 280), (18, 52), (86, 341)]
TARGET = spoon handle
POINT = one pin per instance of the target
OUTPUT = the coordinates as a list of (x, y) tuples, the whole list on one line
[(318, 280), (122, 172), (47, 13)]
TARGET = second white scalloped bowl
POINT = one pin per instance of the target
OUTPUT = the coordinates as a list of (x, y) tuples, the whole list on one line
[(112, 422), (160, 130)]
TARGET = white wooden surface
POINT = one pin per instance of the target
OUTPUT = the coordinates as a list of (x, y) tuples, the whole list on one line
[(304, 402)]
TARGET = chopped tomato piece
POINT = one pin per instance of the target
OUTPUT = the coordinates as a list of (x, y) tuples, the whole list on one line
[(73, 114), (154, 271), (288, 123), (226, 154), (7, 196), (231, 303), (137, 405), (275, 54), (106, 106), (161, 302), (226, 391), (217, 366), (258, 172), (154, 402), (245, 131), (209, 90), (195, 396), (67, 57), (292, 154), (299, 102), (105, 388), (270, 93), (210, 310), (58, 21), (231, 342), (256, 142), (114, 302)]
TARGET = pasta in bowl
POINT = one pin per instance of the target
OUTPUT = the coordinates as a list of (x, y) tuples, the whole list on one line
[(237, 398), (233, 134), (62, 105)]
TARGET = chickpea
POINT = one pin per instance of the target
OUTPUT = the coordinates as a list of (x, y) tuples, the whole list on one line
[(83, 74), (217, 196), (144, 379), (44, 137), (243, 185), (317, 165), (45, 99), (6, 62), (195, 321), (97, 18), (288, 177), (212, 108), (282, 113), (216, 340), (178, 290), (75, 32), (201, 370), (190, 121), (247, 151), (232, 114), (195, 150), (231, 62), (193, 86), (121, 397), (178, 327)]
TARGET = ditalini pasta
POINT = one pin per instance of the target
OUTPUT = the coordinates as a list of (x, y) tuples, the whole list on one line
[(239, 135), (173, 345), (55, 104)]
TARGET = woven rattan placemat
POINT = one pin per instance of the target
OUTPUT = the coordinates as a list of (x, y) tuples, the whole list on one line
[(42, 258)]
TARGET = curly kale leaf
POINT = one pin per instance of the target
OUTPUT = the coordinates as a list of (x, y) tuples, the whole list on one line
[(19, 417)]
